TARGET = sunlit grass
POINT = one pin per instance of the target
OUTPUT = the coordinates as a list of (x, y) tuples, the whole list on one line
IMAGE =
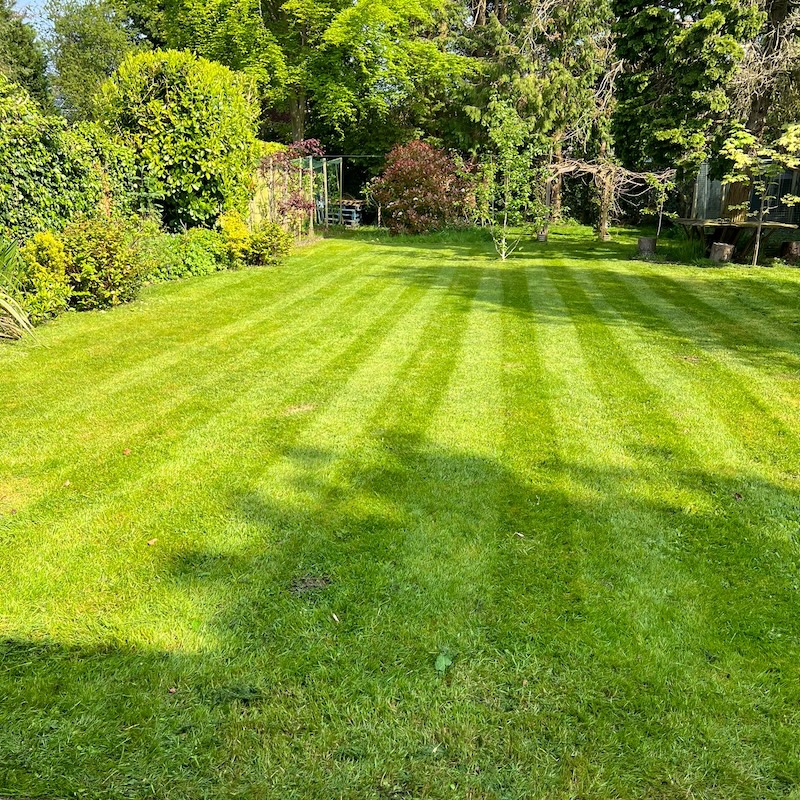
[(242, 518)]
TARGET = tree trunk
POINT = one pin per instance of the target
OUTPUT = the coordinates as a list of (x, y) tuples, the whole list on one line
[(605, 177), (647, 245), (790, 252), (555, 207), (606, 197), (757, 243), (297, 115)]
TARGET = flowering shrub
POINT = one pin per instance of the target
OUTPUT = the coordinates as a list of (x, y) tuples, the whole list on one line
[(422, 189), (291, 187)]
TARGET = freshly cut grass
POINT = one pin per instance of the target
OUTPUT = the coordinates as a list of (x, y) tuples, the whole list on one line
[(398, 520)]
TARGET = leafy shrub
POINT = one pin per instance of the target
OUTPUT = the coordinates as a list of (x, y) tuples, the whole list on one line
[(36, 172), (191, 123), (269, 244), (112, 179), (102, 266), (204, 251), (170, 256), (421, 189), (50, 175), (236, 236), (44, 288)]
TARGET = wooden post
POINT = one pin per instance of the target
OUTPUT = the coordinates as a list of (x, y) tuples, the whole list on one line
[(313, 200), (341, 191), (325, 189)]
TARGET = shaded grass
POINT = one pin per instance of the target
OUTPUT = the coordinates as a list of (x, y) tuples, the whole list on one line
[(573, 475)]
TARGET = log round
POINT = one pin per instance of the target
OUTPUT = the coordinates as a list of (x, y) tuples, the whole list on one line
[(721, 252), (647, 245)]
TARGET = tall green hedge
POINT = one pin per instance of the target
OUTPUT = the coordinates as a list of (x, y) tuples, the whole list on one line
[(51, 174), (192, 125)]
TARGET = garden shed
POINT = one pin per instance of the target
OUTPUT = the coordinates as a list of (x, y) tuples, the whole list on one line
[(712, 198)]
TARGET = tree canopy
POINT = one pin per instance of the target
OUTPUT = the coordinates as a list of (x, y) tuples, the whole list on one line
[(643, 84), (22, 58)]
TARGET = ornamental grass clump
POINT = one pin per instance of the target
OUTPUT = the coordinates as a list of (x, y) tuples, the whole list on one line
[(14, 322)]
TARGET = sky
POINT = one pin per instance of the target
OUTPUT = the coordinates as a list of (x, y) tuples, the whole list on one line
[(30, 5), (34, 12)]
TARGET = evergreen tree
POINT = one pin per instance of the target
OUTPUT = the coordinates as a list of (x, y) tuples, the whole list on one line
[(22, 59), (89, 40), (678, 57)]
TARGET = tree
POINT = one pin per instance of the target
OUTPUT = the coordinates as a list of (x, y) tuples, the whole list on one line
[(764, 90), (22, 59), (546, 58), (677, 56), (758, 163), (315, 61), (88, 41), (509, 200), (191, 124)]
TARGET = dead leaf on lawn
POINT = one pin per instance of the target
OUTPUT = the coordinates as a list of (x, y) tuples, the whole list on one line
[(304, 408), (152, 542), (126, 451), (308, 584)]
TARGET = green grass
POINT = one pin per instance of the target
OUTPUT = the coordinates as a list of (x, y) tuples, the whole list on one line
[(242, 519)]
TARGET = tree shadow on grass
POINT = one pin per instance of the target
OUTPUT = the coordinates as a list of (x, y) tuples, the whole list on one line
[(476, 245), (604, 632), (594, 293)]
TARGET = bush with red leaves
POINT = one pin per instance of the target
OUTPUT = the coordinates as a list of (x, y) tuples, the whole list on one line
[(421, 189)]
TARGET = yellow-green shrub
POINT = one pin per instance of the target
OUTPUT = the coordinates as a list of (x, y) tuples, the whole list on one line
[(43, 285), (236, 235)]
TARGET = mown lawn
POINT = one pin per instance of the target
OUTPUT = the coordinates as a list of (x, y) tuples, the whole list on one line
[(395, 520)]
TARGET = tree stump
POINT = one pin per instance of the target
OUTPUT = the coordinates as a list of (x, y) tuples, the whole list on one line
[(790, 252), (647, 245), (721, 252)]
